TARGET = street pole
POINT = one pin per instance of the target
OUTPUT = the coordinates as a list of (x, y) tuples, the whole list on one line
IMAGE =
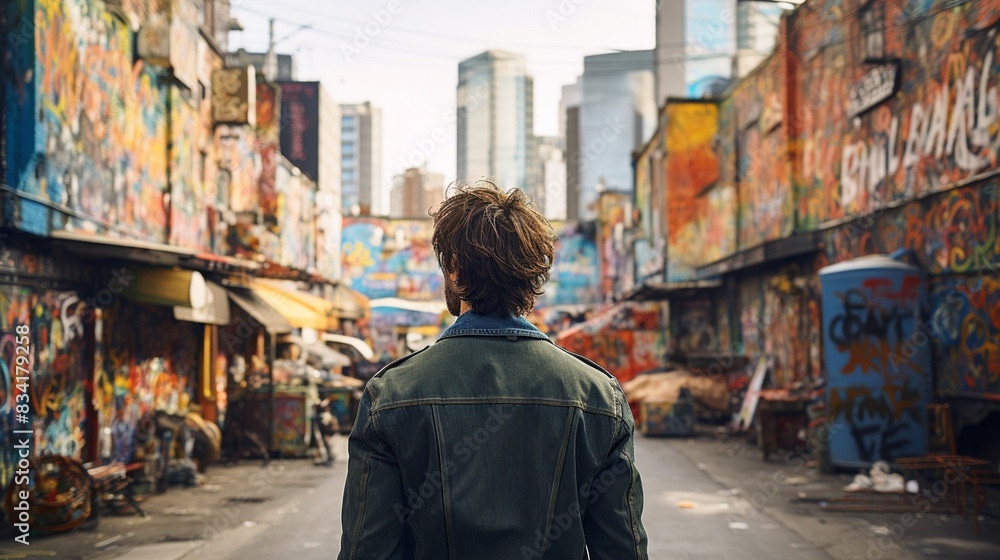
[(273, 351), (271, 60)]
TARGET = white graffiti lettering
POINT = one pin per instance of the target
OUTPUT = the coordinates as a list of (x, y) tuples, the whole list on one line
[(961, 131)]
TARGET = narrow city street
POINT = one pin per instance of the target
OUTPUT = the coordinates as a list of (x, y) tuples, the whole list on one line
[(307, 526), (702, 500), (774, 223)]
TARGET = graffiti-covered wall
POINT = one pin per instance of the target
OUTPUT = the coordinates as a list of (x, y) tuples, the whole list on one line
[(390, 258), (188, 199), (56, 343), (268, 119), (147, 361), (924, 119), (109, 120), (296, 201), (778, 317), (762, 164), (615, 216), (692, 166), (86, 126)]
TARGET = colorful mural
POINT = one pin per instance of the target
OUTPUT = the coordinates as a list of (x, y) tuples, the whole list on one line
[(957, 232), (297, 216), (718, 224), (692, 167), (188, 200), (614, 218), (390, 258), (87, 123), (150, 365), (772, 311), (626, 340), (965, 329), (389, 323), (266, 133), (648, 245), (59, 356), (394, 258), (573, 279), (239, 168), (291, 423), (762, 162)]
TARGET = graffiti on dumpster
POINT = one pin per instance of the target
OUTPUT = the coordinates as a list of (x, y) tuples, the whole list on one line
[(872, 334), (878, 376), (881, 420)]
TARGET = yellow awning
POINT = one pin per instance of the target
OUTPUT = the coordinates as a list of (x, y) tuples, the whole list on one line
[(303, 310), (164, 286)]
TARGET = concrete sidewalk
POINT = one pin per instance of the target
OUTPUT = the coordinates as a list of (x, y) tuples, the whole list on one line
[(775, 488)]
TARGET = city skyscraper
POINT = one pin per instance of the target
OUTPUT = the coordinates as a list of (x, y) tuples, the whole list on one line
[(569, 133), (701, 45), (361, 158), (495, 100), (617, 114)]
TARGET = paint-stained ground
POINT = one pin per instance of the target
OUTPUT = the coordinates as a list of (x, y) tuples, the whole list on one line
[(705, 497)]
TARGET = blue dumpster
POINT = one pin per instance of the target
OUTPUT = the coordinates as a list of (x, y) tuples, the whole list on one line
[(877, 358)]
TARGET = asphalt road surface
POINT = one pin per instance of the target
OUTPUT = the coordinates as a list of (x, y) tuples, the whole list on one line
[(687, 515)]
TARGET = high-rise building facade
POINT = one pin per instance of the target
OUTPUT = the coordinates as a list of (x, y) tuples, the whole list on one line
[(495, 100), (569, 133), (547, 177), (415, 193), (701, 45), (361, 158), (618, 112)]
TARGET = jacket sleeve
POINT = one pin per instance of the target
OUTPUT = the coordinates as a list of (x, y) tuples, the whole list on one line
[(612, 520), (372, 494)]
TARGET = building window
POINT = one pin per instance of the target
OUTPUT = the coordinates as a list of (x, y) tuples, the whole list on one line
[(347, 176), (873, 30), (348, 149)]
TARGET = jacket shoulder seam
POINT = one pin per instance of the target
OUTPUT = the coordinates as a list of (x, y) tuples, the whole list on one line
[(496, 400)]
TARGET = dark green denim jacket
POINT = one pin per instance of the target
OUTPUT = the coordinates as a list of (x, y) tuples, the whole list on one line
[(492, 443)]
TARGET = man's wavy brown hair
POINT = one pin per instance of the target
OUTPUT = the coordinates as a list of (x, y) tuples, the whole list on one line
[(498, 245)]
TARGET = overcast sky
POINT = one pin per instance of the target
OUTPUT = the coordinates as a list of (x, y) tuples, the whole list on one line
[(408, 65)]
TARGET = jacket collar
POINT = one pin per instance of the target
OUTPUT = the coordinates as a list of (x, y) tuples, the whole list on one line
[(474, 324)]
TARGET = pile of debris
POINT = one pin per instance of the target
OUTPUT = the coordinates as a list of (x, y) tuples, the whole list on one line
[(668, 403)]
